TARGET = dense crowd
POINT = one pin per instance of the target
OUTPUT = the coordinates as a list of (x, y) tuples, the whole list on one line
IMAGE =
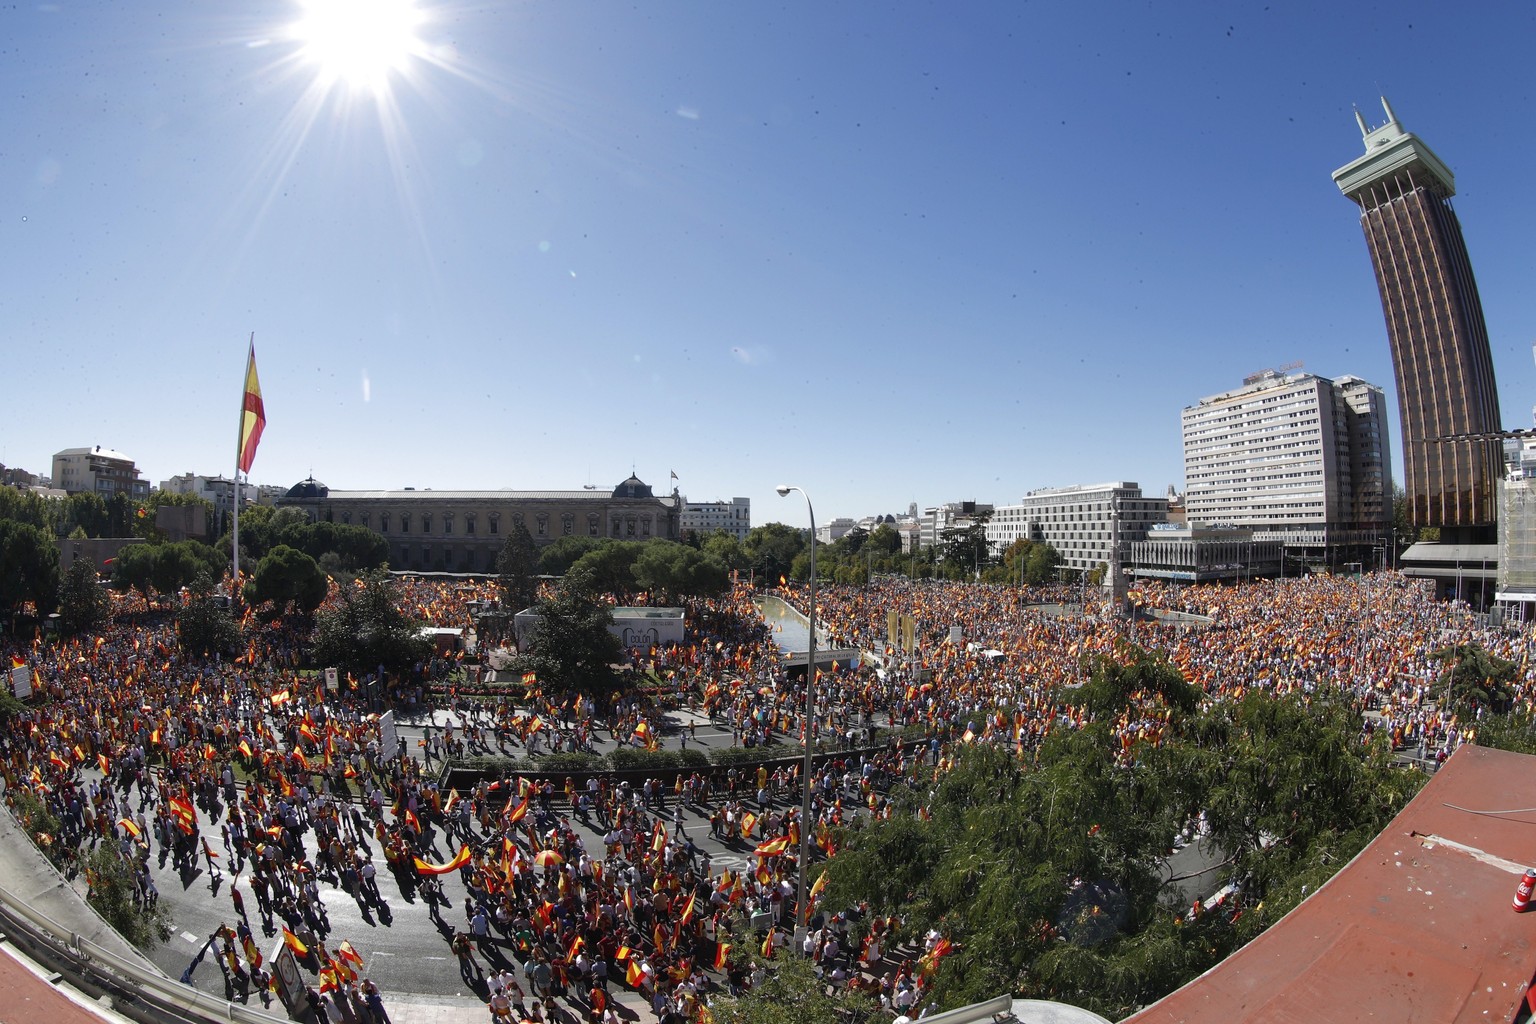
[(250, 766)]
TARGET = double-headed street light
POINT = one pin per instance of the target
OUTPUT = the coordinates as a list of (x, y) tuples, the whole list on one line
[(803, 903)]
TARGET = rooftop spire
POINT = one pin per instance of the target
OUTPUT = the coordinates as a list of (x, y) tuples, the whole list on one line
[(1391, 117)]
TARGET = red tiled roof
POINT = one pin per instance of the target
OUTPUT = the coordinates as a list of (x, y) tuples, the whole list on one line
[(1417, 928), (26, 997)]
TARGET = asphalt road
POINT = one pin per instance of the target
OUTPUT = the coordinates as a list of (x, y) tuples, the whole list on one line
[(404, 949)]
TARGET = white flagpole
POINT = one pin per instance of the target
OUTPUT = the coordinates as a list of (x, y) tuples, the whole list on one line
[(234, 528)]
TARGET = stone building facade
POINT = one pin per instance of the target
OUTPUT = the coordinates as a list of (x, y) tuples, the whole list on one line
[(463, 531)]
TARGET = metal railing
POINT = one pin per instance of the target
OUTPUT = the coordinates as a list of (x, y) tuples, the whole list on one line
[(137, 993)]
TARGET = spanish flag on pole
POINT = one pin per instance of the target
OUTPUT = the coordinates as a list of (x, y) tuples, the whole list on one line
[(294, 943), (253, 417)]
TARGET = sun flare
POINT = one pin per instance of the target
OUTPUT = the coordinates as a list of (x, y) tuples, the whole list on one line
[(359, 43)]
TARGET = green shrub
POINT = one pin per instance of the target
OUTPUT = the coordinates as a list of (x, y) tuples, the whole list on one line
[(35, 819), (727, 756), (564, 763), (693, 757), (492, 765), (628, 759)]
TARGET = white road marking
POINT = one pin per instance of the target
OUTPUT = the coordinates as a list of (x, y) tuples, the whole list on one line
[(192, 938)]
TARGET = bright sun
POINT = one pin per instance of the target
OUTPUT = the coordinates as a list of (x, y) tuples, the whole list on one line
[(360, 43)]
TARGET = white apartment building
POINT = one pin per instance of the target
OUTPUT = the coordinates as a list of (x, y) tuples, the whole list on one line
[(1079, 522), (1295, 457), (705, 517), (97, 470), (837, 529), (219, 491), (935, 519)]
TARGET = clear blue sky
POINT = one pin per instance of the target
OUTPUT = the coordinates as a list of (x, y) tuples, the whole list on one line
[(888, 252)]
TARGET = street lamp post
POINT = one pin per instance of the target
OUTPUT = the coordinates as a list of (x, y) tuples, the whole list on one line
[(803, 903)]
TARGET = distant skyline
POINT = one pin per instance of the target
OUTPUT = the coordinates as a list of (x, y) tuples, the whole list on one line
[(902, 253)]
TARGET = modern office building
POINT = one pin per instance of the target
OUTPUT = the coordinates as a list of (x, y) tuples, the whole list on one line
[(707, 517), (97, 470), (1440, 354), (1081, 523), (1200, 554), (463, 531), (1296, 458)]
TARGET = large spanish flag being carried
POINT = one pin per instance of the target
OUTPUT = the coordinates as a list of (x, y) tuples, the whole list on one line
[(459, 860)]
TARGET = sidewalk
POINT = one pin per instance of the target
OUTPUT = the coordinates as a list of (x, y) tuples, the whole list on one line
[(411, 1008)]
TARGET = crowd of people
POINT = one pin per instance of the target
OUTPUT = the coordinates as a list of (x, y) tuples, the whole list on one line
[(132, 744)]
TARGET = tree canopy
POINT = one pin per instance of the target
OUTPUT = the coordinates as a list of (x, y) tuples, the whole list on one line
[(367, 628), (518, 564), (290, 580), (1046, 871), (29, 567), (82, 604), (672, 571), (571, 648), (1474, 680)]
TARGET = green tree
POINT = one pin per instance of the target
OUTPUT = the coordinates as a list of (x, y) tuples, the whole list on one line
[(518, 564), (792, 993), (1515, 731), (27, 507), (176, 566), (1289, 791), (557, 558), (82, 604), (1473, 680), (29, 568), (884, 541), (1040, 568), (727, 549), (570, 648), (262, 528), (122, 515), (289, 579), (356, 549), (608, 569), (1132, 679), (963, 550), (39, 823), (109, 892), (1014, 860), (134, 568), (771, 550), (367, 628), (1045, 873), (87, 512), (204, 626), (672, 571)]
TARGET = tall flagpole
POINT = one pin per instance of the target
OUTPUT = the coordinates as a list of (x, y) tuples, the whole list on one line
[(234, 522), (234, 529)]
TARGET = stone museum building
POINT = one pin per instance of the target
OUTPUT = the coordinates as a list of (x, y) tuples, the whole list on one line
[(463, 531)]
